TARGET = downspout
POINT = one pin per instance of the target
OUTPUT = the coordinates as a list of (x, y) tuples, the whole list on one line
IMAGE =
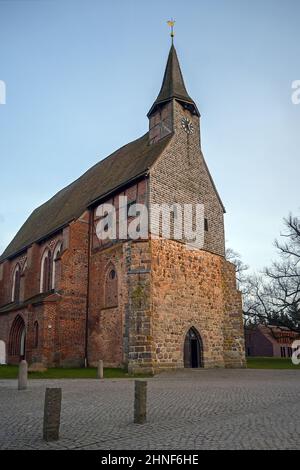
[(86, 361)]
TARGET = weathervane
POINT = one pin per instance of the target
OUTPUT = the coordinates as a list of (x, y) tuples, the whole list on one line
[(171, 24)]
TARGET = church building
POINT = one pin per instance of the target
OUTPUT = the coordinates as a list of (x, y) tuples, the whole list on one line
[(68, 298)]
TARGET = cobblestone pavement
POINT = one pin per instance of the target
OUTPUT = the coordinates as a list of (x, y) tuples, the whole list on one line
[(196, 409)]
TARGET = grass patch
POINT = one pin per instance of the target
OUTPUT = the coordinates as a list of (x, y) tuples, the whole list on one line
[(11, 372), (271, 363)]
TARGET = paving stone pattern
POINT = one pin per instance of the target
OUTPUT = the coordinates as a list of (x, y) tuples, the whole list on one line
[(196, 409)]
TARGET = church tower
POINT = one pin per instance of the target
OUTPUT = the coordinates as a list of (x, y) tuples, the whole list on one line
[(193, 314), (183, 176), (161, 116)]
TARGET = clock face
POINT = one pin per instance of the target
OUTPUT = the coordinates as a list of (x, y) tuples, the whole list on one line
[(187, 125)]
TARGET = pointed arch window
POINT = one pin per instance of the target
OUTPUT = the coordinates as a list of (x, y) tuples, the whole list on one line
[(56, 265), (45, 278), (111, 287), (15, 295)]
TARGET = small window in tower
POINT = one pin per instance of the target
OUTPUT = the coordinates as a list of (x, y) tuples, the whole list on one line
[(206, 225), (112, 274)]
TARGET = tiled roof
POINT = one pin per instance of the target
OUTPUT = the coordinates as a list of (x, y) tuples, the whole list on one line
[(173, 84), (122, 166)]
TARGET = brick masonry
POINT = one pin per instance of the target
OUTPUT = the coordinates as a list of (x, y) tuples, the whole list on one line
[(61, 314), (134, 301), (180, 175)]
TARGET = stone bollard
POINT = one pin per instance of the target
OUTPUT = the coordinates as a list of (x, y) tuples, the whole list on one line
[(23, 375), (140, 401), (100, 370), (52, 414)]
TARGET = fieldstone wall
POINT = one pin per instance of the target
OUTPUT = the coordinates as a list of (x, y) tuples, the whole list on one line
[(185, 289), (138, 314), (187, 292), (234, 339)]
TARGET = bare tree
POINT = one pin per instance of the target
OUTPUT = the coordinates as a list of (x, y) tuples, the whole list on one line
[(240, 268), (273, 298), (284, 276)]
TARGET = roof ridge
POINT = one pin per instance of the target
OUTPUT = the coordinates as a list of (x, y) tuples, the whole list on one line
[(85, 172), (125, 164)]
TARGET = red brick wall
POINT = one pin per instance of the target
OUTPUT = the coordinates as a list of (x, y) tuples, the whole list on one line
[(30, 263), (106, 321), (61, 317), (69, 349)]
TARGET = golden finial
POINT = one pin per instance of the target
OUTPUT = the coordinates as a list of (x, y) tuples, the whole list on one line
[(171, 23)]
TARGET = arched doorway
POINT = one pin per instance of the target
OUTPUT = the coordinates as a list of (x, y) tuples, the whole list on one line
[(17, 338), (193, 349)]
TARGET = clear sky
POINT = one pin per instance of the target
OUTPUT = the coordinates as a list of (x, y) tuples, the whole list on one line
[(81, 75)]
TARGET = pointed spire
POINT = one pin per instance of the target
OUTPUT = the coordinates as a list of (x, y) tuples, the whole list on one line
[(173, 84)]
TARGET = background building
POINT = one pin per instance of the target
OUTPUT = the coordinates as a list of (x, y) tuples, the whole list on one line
[(269, 341)]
